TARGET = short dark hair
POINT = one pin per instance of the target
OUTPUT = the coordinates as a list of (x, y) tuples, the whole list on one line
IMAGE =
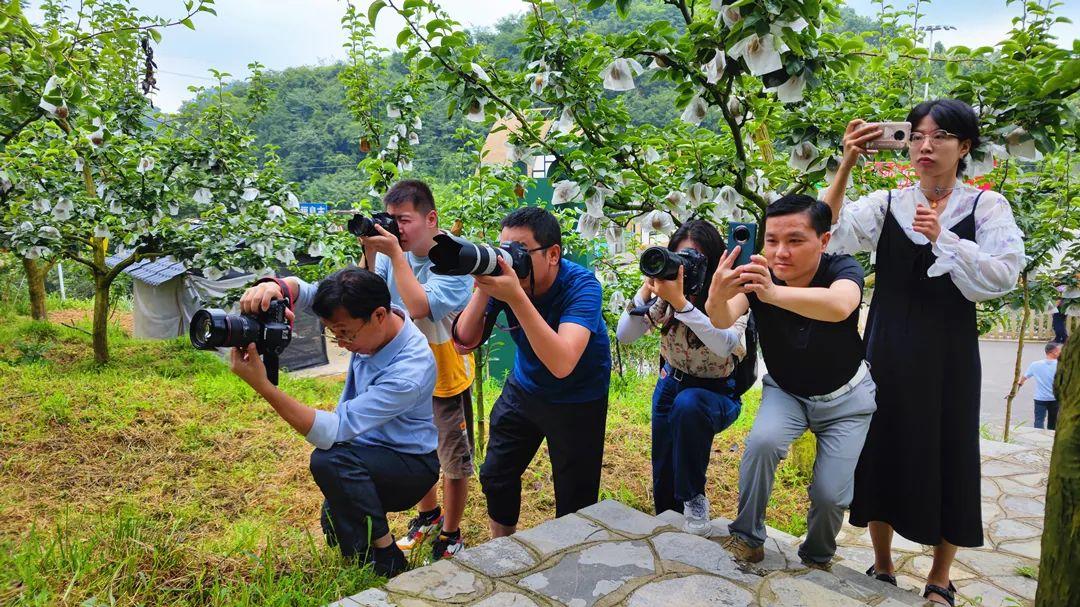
[(411, 190), (357, 290), (1051, 346), (952, 115), (819, 212), (544, 225)]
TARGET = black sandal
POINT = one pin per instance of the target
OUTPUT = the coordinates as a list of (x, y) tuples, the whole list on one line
[(949, 594), (888, 578)]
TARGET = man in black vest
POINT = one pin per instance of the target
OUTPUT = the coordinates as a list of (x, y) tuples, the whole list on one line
[(806, 305)]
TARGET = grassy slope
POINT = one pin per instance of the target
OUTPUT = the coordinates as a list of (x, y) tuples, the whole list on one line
[(161, 479)]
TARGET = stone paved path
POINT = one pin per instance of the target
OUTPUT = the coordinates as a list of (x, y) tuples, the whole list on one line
[(1013, 497), (609, 554)]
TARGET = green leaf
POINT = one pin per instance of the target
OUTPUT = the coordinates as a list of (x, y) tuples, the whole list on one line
[(1068, 76), (622, 7), (156, 35), (403, 36), (851, 45), (373, 11), (435, 25), (411, 4), (187, 23)]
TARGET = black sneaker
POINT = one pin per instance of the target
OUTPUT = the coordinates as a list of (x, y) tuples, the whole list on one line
[(388, 561), (446, 547)]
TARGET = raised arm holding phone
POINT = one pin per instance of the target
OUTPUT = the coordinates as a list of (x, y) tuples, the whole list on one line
[(941, 246)]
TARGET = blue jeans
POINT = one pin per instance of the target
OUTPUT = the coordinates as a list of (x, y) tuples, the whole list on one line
[(684, 421), (1046, 411)]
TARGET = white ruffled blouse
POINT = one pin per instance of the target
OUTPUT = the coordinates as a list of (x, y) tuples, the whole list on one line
[(981, 270)]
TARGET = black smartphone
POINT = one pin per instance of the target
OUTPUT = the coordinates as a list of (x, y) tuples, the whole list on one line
[(743, 235)]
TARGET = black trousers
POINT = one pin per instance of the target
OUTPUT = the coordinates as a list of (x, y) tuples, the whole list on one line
[(361, 484), (1061, 333), (575, 436)]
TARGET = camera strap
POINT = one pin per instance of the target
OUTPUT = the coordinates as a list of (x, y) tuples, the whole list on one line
[(489, 325), (285, 291), (642, 310)]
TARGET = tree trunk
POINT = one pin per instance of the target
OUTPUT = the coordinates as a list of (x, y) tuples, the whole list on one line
[(1058, 582), (35, 277), (102, 280), (101, 319), (1019, 357), (618, 355)]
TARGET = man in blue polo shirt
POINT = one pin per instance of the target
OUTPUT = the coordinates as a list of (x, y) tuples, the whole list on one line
[(1046, 404), (375, 453), (558, 389)]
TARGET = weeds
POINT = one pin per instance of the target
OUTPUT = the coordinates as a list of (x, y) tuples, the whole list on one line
[(1028, 572), (162, 479)]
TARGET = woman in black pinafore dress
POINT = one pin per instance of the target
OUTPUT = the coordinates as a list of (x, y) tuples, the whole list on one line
[(941, 246)]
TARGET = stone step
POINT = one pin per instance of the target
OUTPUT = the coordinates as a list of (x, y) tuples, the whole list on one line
[(609, 554)]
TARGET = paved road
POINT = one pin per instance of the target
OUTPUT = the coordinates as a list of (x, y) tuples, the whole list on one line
[(998, 362)]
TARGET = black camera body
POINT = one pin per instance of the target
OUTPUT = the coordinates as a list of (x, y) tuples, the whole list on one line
[(659, 262), (270, 331), (454, 256), (363, 226)]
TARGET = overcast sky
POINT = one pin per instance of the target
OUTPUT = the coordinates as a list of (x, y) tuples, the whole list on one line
[(284, 33)]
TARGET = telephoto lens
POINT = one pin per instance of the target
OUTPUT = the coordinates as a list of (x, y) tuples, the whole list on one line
[(658, 262), (455, 256), (662, 264), (363, 226)]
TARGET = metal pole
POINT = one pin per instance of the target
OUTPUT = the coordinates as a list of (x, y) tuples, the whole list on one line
[(930, 54), (929, 67), (60, 275)]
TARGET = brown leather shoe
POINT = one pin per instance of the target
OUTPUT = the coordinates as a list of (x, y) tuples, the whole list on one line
[(743, 551), (815, 565)]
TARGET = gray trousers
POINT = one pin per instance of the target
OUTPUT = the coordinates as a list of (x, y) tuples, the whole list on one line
[(840, 425)]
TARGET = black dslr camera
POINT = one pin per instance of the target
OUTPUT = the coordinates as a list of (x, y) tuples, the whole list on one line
[(453, 256), (269, 331), (361, 225), (658, 262)]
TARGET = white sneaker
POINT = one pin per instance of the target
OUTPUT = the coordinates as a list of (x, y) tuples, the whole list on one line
[(696, 512)]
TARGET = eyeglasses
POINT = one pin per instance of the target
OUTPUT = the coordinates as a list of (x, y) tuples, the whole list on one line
[(939, 136), (527, 250), (339, 337)]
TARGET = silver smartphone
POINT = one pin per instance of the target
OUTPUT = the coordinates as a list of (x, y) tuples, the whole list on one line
[(894, 136)]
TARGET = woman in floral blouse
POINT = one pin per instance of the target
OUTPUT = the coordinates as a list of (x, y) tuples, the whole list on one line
[(694, 397)]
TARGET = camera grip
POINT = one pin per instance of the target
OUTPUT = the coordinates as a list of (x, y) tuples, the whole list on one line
[(286, 292), (271, 362)]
